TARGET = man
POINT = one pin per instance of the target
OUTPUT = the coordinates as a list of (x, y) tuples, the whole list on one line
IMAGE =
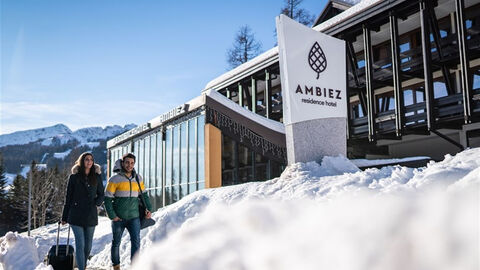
[(121, 204)]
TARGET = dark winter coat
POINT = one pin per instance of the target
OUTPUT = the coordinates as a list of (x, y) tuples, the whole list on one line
[(82, 199)]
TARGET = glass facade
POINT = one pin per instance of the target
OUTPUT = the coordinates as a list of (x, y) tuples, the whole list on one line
[(171, 162), (117, 153), (201, 152), (240, 164)]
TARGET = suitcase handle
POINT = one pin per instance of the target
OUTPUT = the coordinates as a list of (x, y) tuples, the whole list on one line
[(58, 236), (68, 240)]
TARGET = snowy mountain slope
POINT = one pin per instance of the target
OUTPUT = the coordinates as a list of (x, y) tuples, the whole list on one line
[(63, 133), (55, 146), (328, 216), (33, 135), (91, 134)]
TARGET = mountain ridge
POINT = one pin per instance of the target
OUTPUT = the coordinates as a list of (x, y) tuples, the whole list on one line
[(56, 146), (63, 133)]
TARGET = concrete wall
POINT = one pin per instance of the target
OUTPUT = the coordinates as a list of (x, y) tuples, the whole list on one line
[(311, 140)]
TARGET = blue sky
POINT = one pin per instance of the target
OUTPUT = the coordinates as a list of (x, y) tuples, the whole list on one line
[(97, 63)]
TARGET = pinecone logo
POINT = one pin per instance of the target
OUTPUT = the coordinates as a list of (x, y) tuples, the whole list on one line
[(317, 59)]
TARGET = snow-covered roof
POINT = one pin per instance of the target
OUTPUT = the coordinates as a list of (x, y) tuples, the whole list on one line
[(271, 124), (267, 58), (351, 2), (354, 10)]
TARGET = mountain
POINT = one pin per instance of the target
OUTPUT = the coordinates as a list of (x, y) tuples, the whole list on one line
[(62, 133), (33, 135), (56, 145)]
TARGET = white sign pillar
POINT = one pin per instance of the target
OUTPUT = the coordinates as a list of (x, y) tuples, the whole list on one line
[(313, 74)]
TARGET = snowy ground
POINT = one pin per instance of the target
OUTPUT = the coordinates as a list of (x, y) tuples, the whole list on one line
[(328, 216)]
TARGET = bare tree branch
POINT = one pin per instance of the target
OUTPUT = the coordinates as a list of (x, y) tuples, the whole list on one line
[(292, 9), (244, 48)]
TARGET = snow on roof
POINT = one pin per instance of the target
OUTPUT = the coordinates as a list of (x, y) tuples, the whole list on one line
[(270, 56), (351, 2), (356, 9), (271, 124), (377, 162)]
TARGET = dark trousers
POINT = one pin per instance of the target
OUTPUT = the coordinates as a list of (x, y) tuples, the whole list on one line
[(133, 228)]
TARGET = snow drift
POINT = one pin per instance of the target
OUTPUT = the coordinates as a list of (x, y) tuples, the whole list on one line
[(18, 252), (328, 216)]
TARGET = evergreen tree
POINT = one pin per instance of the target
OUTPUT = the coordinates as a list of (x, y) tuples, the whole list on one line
[(18, 200), (5, 209), (3, 179)]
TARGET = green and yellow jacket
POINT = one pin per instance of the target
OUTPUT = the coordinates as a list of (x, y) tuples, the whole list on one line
[(121, 194)]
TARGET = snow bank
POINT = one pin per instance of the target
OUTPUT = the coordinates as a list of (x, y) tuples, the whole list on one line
[(317, 217), (328, 216), (362, 232), (18, 252)]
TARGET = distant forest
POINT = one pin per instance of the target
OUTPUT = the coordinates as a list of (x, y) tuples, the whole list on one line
[(16, 155)]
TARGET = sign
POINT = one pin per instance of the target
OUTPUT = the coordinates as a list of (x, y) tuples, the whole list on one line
[(171, 114), (313, 71), (179, 110), (132, 132)]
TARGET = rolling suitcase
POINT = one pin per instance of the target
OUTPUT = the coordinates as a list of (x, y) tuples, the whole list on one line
[(61, 256)]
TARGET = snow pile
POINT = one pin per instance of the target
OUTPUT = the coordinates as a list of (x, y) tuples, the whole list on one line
[(314, 217), (361, 232), (328, 216), (18, 252)]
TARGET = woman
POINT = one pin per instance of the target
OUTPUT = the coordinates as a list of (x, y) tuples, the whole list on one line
[(84, 193)]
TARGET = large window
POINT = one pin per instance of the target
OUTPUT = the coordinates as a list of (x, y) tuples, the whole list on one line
[(136, 147), (115, 153), (175, 163), (476, 78), (183, 160), (141, 153), (229, 161), (146, 160), (245, 169), (159, 171), (201, 151), (240, 164), (170, 161), (192, 155), (168, 166), (153, 161)]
